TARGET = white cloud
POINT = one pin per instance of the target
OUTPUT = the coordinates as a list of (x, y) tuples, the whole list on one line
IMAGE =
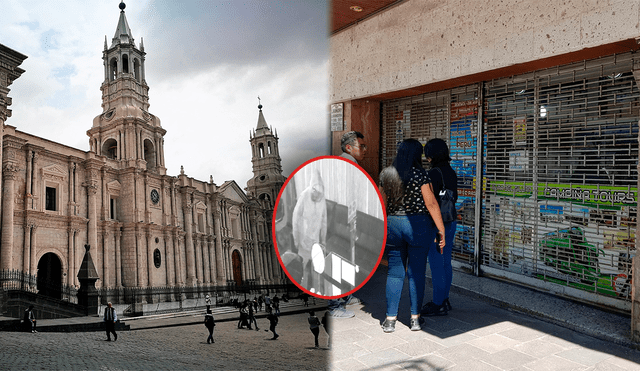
[(204, 76)]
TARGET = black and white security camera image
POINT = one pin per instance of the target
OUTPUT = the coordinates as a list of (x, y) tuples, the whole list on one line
[(329, 227)]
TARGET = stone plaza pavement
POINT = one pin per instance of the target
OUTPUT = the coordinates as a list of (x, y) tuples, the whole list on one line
[(496, 326), (174, 343)]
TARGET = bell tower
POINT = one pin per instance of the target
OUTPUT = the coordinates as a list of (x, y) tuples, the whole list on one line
[(267, 169), (126, 132)]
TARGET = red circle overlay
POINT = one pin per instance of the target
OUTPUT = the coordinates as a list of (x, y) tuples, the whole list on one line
[(273, 226)]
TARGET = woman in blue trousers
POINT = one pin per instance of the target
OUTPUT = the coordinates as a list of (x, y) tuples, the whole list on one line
[(412, 210), (437, 153)]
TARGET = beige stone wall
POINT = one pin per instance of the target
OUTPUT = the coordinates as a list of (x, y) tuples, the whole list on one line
[(421, 42)]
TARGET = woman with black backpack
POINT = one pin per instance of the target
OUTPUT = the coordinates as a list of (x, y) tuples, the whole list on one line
[(445, 187)]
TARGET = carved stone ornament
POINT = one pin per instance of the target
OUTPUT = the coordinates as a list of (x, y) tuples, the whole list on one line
[(109, 114), (9, 171), (54, 172)]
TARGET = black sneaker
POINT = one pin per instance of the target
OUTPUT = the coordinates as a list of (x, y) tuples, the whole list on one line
[(389, 325), (448, 305), (416, 324), (431, 309)]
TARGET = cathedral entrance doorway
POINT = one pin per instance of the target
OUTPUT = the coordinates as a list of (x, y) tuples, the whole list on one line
[(237, 267), (50, 276)]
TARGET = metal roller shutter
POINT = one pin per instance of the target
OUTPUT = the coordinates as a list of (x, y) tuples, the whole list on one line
[(562, 151), (559, 183), (453, 116)]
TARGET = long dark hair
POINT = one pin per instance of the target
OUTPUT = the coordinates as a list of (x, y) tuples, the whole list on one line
[(409, 156), (438, 150)]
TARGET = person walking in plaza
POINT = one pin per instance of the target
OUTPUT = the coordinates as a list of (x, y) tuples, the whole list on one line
[(273, 322), (411, 211), (243, 321), (275, 302), (209, 323), (110, 318), (443, 177), (30, 320), (252, 317), (314, 325)]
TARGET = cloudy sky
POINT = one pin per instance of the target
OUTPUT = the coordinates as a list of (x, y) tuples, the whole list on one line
[(207, 62)]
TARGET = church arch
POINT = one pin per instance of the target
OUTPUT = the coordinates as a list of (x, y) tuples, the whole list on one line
[(269, 148), (236, 263), (149, 154), (261, 150), (49, 277), (113, 69), (125, 63), (110, 149)]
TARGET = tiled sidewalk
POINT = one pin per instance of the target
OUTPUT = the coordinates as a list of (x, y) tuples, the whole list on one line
[(476, 335)]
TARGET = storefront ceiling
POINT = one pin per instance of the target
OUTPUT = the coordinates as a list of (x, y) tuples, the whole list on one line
[(343, 16)]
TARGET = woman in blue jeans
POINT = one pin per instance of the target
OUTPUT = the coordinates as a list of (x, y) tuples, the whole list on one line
[(411, 211), (437, 153)]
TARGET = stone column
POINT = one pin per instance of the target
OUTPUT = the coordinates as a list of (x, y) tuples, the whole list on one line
[(117, 236), (129, 257), (212, 260), (256, 254), (106, 259), (218, 247), (33, 270), (71, 266), (150, 264), (198, 258), (8, 201), (27, 199), (169, 257), (26, 253), (142, 257), (92, 228), (206, 259), (34, 186), (177, 260), (188, 228)]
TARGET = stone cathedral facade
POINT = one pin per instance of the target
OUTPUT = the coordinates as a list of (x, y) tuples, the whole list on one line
[(145, 228)]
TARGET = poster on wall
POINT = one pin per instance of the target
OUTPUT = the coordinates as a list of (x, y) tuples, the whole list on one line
[(337, 117), (583, 236), (520, 131), (463, 150), (518, 161)]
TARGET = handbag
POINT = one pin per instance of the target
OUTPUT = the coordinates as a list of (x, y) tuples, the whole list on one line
[(447, 203)]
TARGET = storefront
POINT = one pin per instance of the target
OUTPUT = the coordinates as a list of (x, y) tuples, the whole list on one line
[(549, 193)]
